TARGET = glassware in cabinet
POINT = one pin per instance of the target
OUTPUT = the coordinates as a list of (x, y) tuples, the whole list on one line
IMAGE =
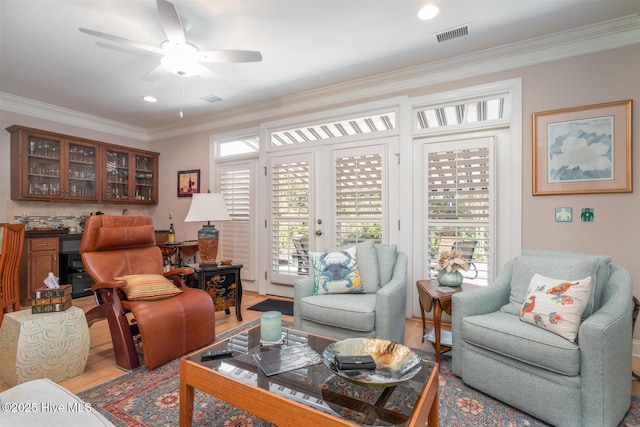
[(44, 166), (117, 175), (145, 178), (82, 166)]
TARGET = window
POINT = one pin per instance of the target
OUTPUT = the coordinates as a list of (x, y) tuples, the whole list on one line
[(459, 113), (289, 211), (372, 123), (458, 197), (358, 198), (237, 236), (236, 146)]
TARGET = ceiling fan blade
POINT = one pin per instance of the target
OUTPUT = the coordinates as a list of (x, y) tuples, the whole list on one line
[(229, 56), (122, 40), (223, 87), (204, 72), (171, 22), (156, 73)]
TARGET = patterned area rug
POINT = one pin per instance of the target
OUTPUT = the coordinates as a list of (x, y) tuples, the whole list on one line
[(151, 398)]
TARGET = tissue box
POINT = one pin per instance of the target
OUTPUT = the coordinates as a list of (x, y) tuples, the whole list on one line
[(46, 300)]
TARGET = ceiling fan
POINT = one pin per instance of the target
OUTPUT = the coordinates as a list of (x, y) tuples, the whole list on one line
[(179, 56)]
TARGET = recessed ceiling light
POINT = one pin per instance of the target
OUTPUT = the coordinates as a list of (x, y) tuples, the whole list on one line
[(428, 11), (149, 98)]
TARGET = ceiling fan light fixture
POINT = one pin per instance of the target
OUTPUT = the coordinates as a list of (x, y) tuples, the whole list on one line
[(181, 66), (428, 11), (180, 58)]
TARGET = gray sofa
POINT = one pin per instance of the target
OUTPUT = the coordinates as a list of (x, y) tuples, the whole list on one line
[(581, 383), (379, 313)]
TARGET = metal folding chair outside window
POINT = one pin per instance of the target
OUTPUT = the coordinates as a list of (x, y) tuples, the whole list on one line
[(466, 247), (301, 244)]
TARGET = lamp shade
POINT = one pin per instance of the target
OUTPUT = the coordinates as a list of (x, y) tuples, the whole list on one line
[(207, 207)]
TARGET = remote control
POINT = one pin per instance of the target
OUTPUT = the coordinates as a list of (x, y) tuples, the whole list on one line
[(215, 354)]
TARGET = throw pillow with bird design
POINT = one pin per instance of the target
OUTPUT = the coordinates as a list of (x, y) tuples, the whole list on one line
[(556, 304)]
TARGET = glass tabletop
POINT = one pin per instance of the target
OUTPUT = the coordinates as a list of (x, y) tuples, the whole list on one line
[(317, 386)]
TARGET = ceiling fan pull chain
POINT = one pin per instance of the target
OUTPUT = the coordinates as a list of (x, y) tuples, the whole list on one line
[(181, 114)]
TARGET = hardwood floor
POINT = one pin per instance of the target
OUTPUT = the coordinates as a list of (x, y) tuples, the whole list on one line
[(101, 365)]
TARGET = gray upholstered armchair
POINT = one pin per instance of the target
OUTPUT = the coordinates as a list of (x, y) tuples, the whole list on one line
[(581, 383), (379, 313)]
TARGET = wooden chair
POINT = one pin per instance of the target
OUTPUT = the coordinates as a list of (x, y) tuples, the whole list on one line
[(187, 250), (12, 245)]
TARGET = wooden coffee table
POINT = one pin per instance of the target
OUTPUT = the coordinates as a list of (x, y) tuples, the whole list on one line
[(308, 396)]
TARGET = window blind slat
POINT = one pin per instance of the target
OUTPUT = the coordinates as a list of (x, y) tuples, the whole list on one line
[(458, 206), (236, 235), (358, 197), (289, 211)]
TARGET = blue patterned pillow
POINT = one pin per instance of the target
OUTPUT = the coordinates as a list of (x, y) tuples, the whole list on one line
[(336, 272)]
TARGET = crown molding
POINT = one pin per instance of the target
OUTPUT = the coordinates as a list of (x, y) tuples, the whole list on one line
[(592, 38), (41, 110)]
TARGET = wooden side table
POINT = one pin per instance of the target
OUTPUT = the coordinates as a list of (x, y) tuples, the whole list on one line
[(224, 285), (431, 297)]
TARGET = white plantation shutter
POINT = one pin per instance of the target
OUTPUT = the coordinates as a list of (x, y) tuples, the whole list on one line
[(289, 210), (358, 197), (236, 184), (459, 202)]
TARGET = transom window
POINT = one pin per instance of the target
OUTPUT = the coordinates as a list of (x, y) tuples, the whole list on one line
[(464, 112), (237, 146), (336, 129)]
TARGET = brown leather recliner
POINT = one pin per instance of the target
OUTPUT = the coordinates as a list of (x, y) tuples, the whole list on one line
[(114, 246)]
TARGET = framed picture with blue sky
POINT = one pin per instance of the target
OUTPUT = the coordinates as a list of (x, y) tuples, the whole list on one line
[(583, 150)]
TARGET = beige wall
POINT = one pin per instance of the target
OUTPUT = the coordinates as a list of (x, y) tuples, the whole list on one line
[(583, 80), (611, 75), (589, 79)]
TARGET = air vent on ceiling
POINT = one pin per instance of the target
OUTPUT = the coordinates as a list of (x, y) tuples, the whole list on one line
[(212, 98), (453, 33)]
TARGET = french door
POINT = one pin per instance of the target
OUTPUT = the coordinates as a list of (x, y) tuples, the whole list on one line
[(327, 196)]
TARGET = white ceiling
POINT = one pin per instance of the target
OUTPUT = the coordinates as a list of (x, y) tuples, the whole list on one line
[(305, 44)]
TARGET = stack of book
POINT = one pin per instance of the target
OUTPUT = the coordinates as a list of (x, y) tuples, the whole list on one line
[(47, 300)]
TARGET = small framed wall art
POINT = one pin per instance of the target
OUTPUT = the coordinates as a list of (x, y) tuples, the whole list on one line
[(583, 150), (188, 182)]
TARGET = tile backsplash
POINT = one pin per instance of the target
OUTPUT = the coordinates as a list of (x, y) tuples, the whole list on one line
[(62, 215)]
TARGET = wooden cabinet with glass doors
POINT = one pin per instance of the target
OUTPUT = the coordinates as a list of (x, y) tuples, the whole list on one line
[(48, 166), (51, 166), (131, 176)]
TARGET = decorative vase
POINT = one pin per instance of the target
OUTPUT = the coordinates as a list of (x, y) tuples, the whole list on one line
[(450, 279)]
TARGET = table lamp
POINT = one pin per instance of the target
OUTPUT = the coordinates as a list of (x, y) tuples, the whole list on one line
[(208, 207)]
